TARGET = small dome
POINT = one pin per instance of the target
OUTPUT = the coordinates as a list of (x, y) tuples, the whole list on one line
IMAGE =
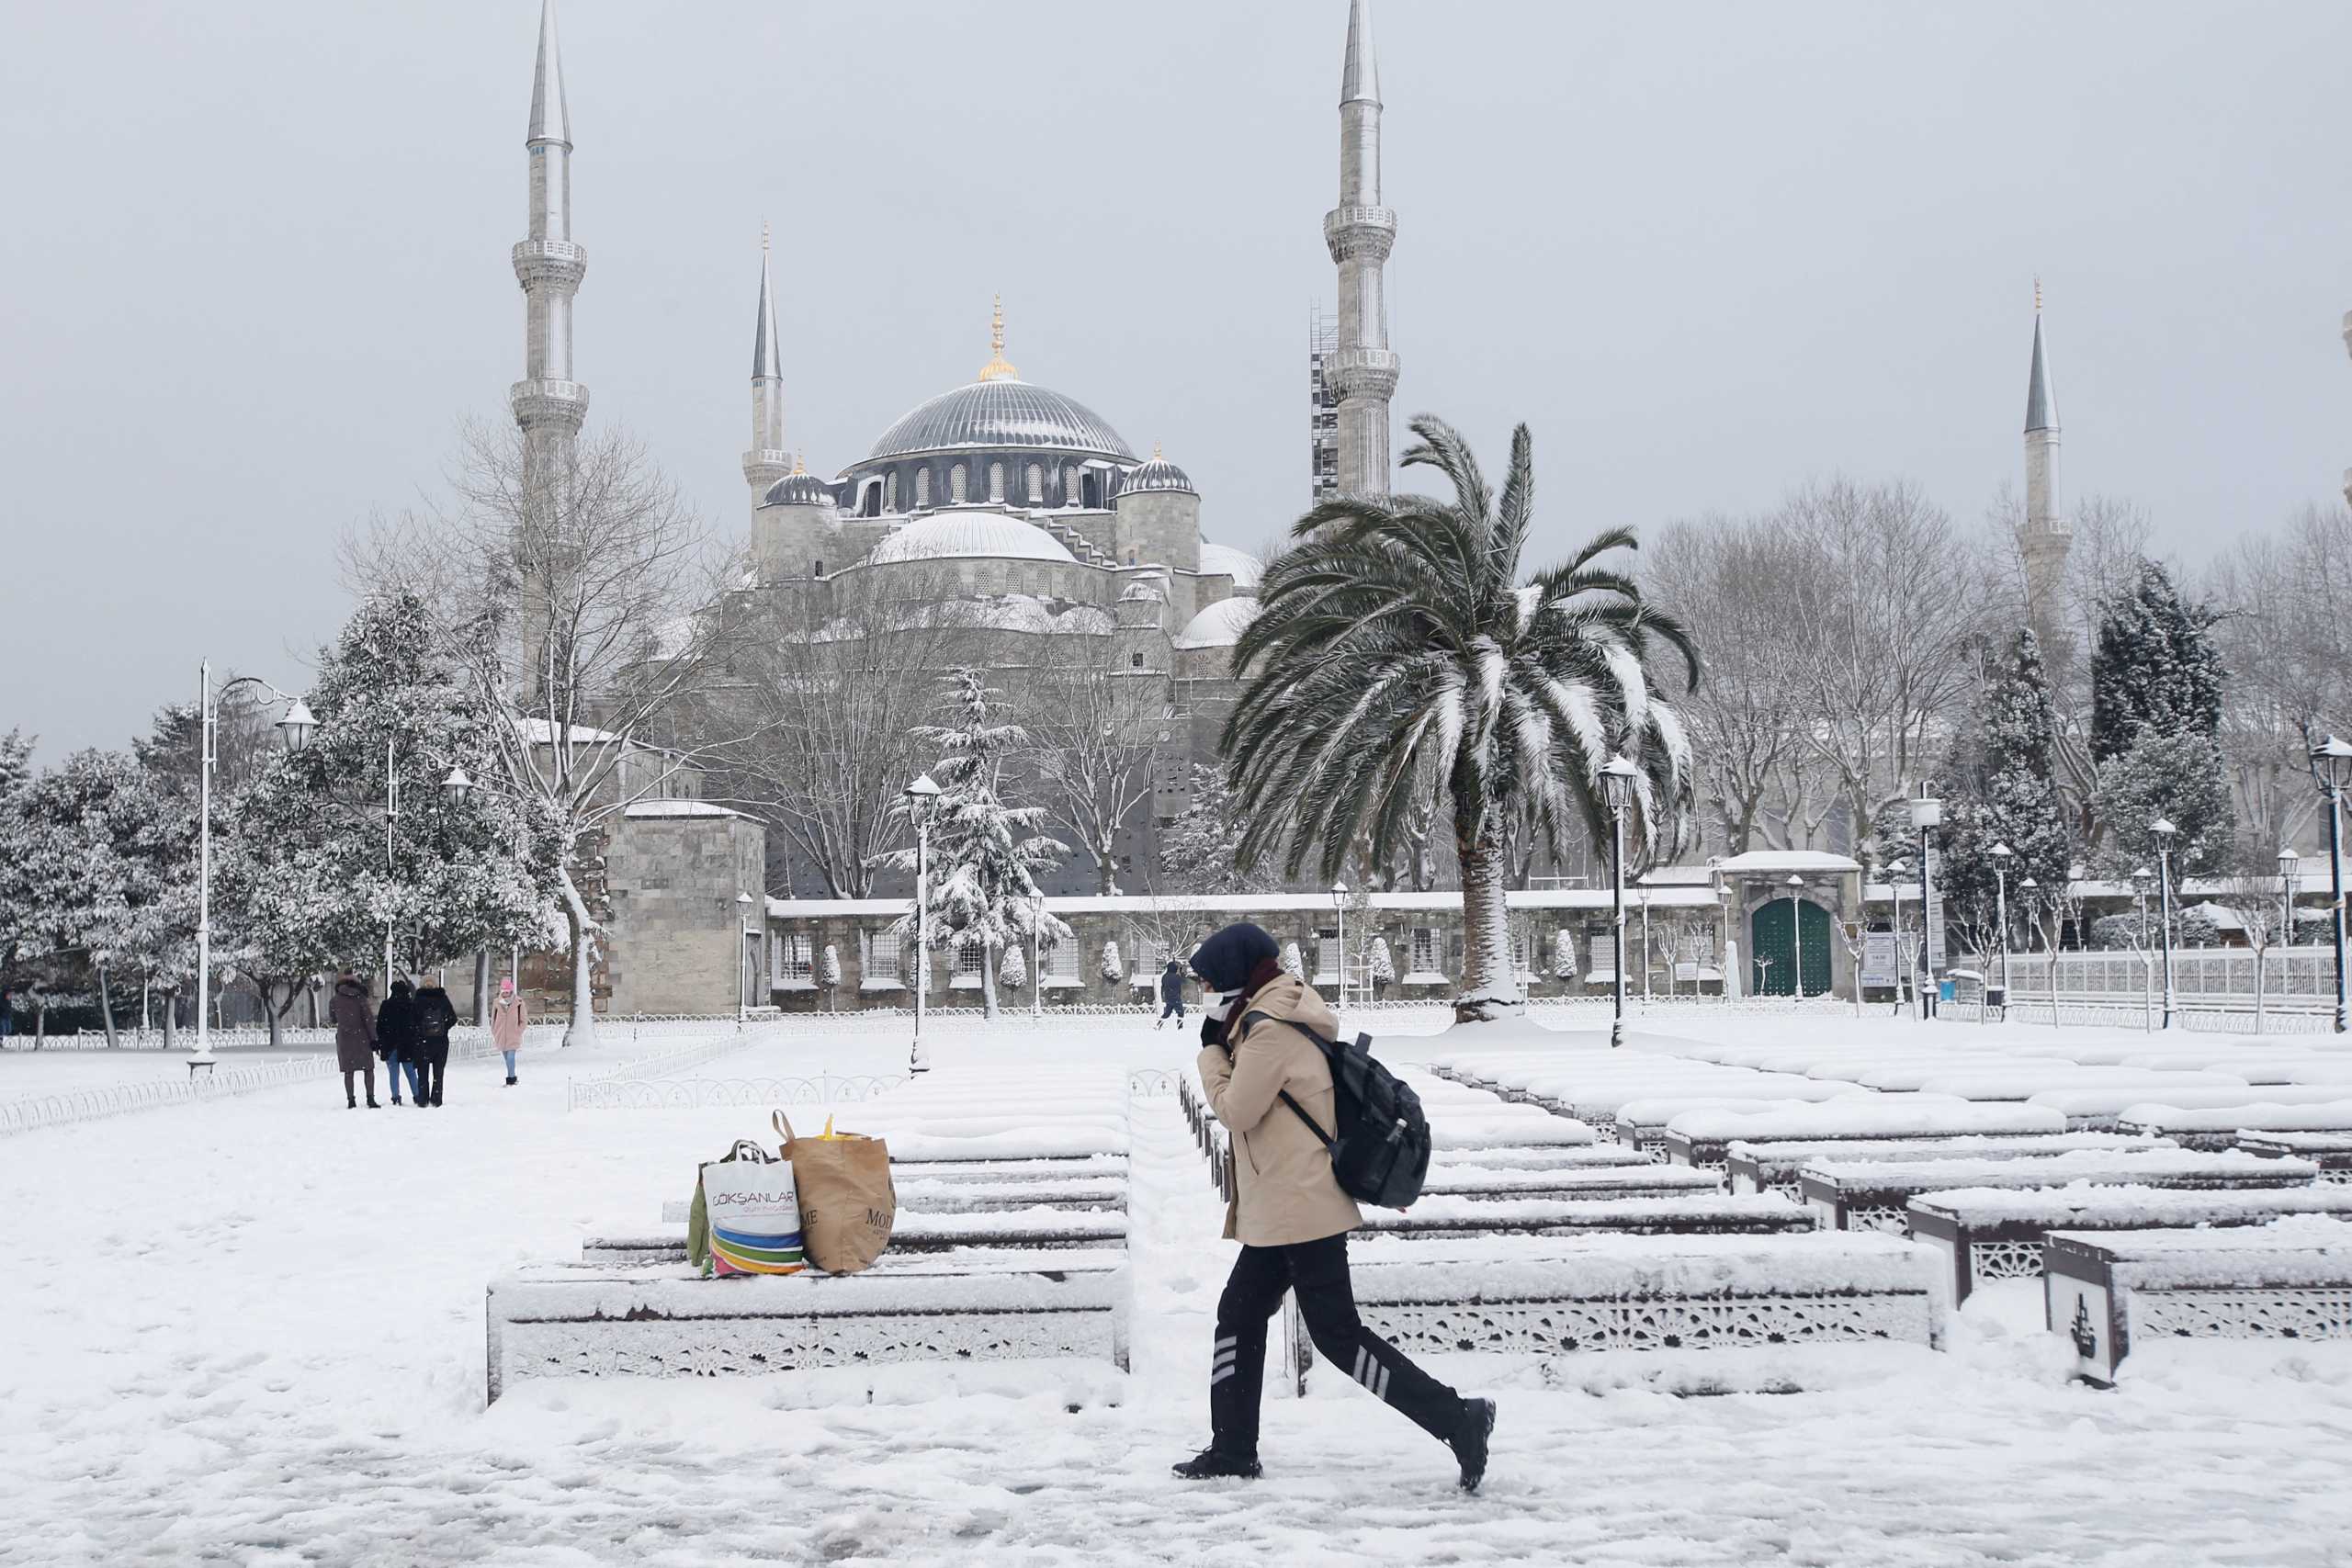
[(950, 534), (1220, 626), (1244, 569), (798, 489), (1142, 594), (1157, 474)]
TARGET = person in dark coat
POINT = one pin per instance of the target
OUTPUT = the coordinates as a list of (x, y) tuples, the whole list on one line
[(435, 1018), (396, 1038), (1267, 1079), (354, 1038), (1171, 993)]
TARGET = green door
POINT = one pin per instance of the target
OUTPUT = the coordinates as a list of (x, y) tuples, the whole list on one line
[(1773, 956)]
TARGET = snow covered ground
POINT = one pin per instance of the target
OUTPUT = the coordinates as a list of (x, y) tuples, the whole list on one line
[(250, 1332)]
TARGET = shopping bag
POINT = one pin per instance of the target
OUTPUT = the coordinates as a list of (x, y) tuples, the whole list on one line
[(751, 1214), (847, 1202)]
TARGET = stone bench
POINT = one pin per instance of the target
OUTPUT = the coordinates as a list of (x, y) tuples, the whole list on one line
[(2109, 1293), (663, 1322), (1876, 1195), (1702, 1139), (2096, 1109), (1984, 1233), (2332, 1152), (2223, 1127), (1016, 1230), (1638, 1213), (1523, 1295), (1774, 1166)]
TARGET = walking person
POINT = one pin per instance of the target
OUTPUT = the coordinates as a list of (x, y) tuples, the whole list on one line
[(1171, 993), (396, 1038), (355, 1040), (508, 1019), (434, 1018), (1265, 1079)]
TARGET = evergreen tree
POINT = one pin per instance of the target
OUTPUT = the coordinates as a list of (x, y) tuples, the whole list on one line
[(2156, 670), (1201, 851), (985, 853), (2180, 778), (2006, 792)]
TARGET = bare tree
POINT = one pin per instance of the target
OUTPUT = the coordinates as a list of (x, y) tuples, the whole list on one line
[(583, 596), (1092, 730)]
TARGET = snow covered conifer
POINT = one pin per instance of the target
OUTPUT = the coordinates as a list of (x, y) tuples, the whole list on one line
[(2181, 778), (1384, 964), (1013, 973), (1113, 970), (2006, 792), (2155, 671), (1293, 964), (1564, 955)]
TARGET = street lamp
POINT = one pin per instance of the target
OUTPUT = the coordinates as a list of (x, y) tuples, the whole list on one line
[(1340, 908), (2141, 878), (2164, 831), (742, 960), (1037, 958), (2032, 891), (1617, 776), (2288, 881), (1725, 957), (923, 801), (2002, 854), (457, 786), (2330, 759), (294, 730), (1796, 937), (1894, 873), (1926, 814)]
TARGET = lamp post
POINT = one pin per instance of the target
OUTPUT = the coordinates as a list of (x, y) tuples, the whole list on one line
[(2329, 763), (1037, 958), (2032, 891), (2288, 881), (2164, 831), (2002, 854), (295, 730), (1926, 814), (1339, 940), (1895, 872), (2140, 877), (922, 800), (1796, 937), (742, 960), (1617, 776)]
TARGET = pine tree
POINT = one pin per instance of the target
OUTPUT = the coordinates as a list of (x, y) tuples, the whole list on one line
[(2179, 778), (987, 853), (2006, 792), (2156, 670), (1201, 851), (1113, 966), (1013, 973)]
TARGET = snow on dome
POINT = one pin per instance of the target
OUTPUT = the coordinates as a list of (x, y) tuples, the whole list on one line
[(950, 534), (1157, 474), (1001, 413), (798, 489), (1246, 569), (1143, 594), (1220, 626)]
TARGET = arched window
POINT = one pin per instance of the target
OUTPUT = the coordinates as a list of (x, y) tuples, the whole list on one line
[(890, 492), (818, 570), (996, 482), (1069, 486), (869, 501), (923, 487), (1036, 484), (957, 481)]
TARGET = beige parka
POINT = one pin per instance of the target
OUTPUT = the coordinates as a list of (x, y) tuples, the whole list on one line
[(1284, 1189)]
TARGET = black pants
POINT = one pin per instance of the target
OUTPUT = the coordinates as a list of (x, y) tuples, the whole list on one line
[(1317, 1273), (1172, 1009), (432, 1067)]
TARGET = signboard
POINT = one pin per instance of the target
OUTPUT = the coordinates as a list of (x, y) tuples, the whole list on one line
[(1938, 929), (1881, 964)]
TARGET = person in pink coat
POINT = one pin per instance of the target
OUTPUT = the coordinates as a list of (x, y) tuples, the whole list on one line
[(506, 1021)]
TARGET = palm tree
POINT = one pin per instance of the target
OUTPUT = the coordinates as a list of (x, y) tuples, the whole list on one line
[(1397, 633)]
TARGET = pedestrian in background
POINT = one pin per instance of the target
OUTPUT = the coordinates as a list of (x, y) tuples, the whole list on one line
[(355, 1040), (508, 1019), (1171, 993), (396, 1038), (434, 1018)]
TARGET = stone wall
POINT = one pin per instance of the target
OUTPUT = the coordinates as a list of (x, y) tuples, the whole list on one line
[(676, 940)]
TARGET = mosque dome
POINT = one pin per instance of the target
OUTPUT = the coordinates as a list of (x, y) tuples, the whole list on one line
[(1157, 474), (798, 489), (1246, 569), (1001, 413), (949, 535), (1220, 626)]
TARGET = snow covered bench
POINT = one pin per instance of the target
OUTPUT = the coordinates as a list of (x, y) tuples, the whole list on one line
[(1985, 1232), (602, 1321), (1549, 1298), (1641, 1124), (1032, 1229), (2332, 1152), (1701, 1138), (2096, 1109), (1774, 1166), (1630, 1213), (1876, 1194), (2222, 1127), (2107, 1293)]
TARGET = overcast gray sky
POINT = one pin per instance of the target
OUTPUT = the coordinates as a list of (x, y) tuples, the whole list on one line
[(254, 265)]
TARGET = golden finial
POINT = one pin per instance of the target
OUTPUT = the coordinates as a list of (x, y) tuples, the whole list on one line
[(800, 462), (764, 236), (1154, 451), (996, 369)]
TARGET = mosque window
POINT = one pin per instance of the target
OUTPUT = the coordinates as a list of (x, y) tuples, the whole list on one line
[(817, 569), (1135, 660), (996, 482), (957, 482), (923, 487), (1069, 485), (890, 492), (1036, 484)]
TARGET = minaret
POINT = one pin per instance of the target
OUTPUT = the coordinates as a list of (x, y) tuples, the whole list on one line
[(1360, 232), (2047, 534), (548, 404), (767, 461)]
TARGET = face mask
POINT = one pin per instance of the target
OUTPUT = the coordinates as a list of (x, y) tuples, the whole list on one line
[(1222, 1005)]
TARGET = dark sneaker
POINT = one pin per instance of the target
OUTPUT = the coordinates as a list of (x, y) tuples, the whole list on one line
[(1469, 1443), (1210, 1464)]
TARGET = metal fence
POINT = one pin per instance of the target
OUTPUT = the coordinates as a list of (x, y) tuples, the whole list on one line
[(2293, 979), (118, 1100)]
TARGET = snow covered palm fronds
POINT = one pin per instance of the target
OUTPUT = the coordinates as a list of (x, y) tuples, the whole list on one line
[(1398, 640)]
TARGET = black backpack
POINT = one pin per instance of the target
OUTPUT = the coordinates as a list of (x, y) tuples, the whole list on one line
[(1381, 1153)]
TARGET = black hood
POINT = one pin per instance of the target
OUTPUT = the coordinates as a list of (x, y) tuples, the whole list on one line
[(1227, 960)]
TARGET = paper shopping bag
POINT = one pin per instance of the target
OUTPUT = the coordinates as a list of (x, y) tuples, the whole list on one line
[(754, 1216), (847, 1202)]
